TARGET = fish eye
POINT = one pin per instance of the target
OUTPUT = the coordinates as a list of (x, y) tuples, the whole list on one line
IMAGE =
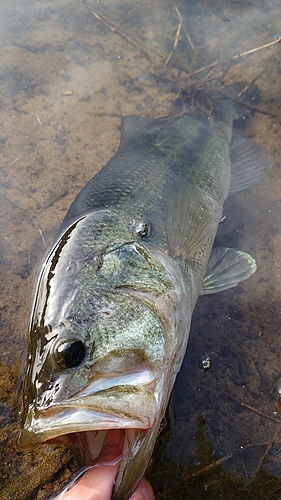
[(70, 353)]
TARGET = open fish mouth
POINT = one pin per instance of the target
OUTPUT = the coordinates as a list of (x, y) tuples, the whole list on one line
[(82, 427), (132, 451), (115, 447)]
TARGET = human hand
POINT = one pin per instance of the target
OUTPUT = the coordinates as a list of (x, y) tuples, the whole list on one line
[(97, 482)]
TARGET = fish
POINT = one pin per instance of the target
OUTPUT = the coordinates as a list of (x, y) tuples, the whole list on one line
[(114, 300)]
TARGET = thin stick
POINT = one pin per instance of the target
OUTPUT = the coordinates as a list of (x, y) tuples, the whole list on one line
[(225, 71), (215, 63), (12, 203), (268, 447), (260, 413), (127, 15), (29, 263), (249, 85), (237, 56), (189, 39), (11, 186), (13, 162), (176, 41), (261, 444), (212, 465), (43, 239), (245, 471), (252, 108), (128, 38)]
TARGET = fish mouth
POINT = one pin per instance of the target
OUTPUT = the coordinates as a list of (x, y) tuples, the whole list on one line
[(83, 427), (130, 452)]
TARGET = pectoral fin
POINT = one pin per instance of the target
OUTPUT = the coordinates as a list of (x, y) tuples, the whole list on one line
[(190, 216), (226, 268), (249, 163)]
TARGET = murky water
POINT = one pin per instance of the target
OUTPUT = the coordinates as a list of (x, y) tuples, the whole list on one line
[(66, 79)]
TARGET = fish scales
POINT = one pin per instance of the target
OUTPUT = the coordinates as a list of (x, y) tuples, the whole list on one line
[(138, 175)]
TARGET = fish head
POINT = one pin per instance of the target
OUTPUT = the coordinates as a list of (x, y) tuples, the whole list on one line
[(108, 332)]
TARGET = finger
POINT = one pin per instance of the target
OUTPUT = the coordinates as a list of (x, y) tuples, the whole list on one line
[(143, 491), (94, 484), (99, 480)]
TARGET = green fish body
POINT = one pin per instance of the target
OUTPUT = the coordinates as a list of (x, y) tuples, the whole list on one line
[(114, 300)]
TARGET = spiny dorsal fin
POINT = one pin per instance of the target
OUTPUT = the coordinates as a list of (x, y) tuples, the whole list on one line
[(249, 163), (226, 268), (190, 216), (134, 125)]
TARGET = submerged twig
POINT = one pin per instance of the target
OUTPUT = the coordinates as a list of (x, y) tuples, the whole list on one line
[(269, 444), (13, 162), (237, 56), (131, 39), (12, 203), (255, 445), (249, 85), (189, 39), (43, 239), (212, 465), (261, 413), (39, 121), (126, 36), (215, 63), (245, 471), (268, 447), (125, 17), (11, 186), (29, 262), (176, 41), (251, 108)]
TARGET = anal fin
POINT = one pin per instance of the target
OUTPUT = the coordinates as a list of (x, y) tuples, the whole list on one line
[(226, 268)]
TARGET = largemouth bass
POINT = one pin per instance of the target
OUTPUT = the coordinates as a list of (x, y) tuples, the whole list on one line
[(114, 300)]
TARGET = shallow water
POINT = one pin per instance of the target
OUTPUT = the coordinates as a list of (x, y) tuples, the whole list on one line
[(66, 79)]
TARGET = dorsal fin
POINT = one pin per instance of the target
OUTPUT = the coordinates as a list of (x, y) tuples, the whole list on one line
[(133, 125)]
